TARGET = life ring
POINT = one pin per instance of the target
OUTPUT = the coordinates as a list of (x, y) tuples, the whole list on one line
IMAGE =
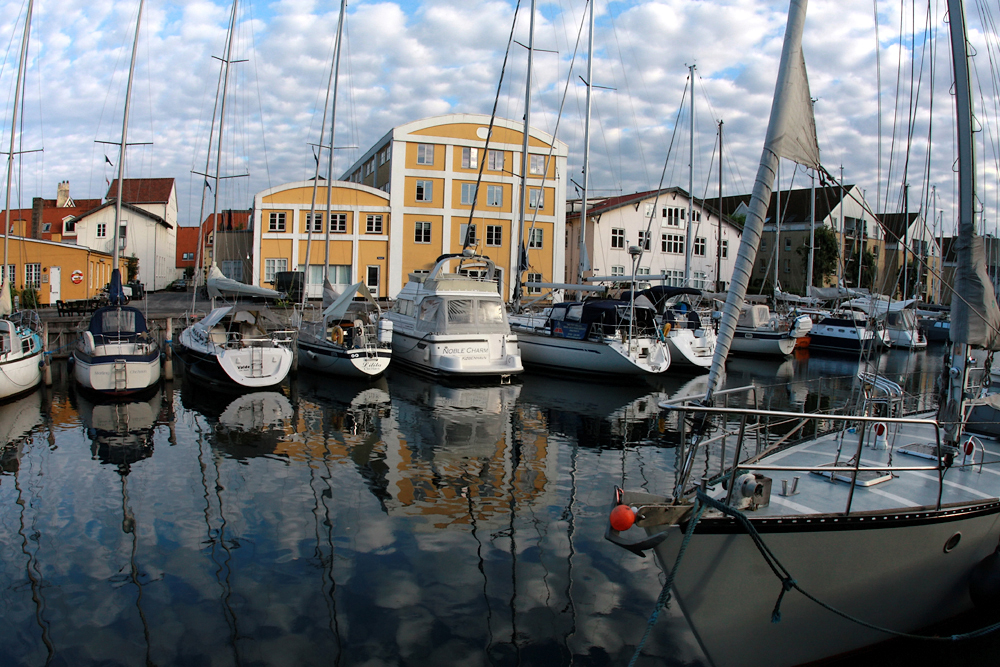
[(337, 335)]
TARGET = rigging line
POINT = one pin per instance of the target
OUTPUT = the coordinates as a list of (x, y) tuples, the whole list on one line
[(895, 106), (878, 106), (666, 161), (628, 96), (552, 144), (988, 127), (466, 242), (914, 96)]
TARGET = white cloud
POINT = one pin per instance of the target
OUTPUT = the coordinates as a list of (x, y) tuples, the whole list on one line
[(404, 60)]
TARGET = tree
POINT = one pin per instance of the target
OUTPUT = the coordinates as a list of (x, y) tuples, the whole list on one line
[(825, 255), (132, 268), (868, 270)]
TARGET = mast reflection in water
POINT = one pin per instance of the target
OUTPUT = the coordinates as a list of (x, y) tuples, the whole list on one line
[(400, 522)]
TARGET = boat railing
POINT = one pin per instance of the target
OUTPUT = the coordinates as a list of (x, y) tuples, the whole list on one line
[(237, 339), (735, 420)]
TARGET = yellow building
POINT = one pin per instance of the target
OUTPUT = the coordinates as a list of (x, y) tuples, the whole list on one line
[(408, 200), (359, 235), (59, 271)]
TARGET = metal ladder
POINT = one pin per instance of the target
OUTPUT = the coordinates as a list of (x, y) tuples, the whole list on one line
[(256, 361), (120, 375)]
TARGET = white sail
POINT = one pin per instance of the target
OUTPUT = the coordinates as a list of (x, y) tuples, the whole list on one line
[(6, 306)]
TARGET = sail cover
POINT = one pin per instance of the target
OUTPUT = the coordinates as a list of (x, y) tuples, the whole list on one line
[(975, 318), (6, 305), (339, 307), (795, 138), (221, 286)]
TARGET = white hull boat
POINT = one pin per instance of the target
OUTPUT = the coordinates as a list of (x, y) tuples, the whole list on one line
[(759, 333), (594, 337), (690, 343), (454, 324), (232, 345), (20, 356), (117, 355)]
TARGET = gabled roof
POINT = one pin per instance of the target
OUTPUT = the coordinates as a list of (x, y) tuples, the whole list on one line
[(896, 224), (600, 206), (142, 190), (794, 203), (126, 207)]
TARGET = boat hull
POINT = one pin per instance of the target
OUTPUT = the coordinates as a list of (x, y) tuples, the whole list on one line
[(690, 350), (19, 374), (115, 372), (891, 570), (763, 343), (479, 355), (255, 367), (647, 357), (338, 360)]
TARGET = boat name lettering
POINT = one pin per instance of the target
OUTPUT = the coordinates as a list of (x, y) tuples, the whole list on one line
[(465, 349)]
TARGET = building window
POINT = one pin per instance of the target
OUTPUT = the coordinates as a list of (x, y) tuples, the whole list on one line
[(12, 273), (422, 233), (618, 270), (425, 153), (494, 195), (374, 224), (535, 237), (673, 277), (699, 280), (494, 235), (425, 190), (188, 257), (338, 223), (536, 198), (534, 278), (314, 222), (536, 165), (644, 239), (272, 266), (788, 266), (47, 227), (695, 216), (725, 248), (642, 271), (102, 230), (648, 211), (470, 158), (469, 240), (33, 275), (672, 243), (370, 167), (276, 222), (700, 246), (69, 226), (495, 161), (788, 245), (617, 238), (468, 193), (674, 216), (763, 245), (384, 154)]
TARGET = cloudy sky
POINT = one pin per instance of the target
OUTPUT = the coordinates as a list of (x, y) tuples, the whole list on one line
[(406, 60)]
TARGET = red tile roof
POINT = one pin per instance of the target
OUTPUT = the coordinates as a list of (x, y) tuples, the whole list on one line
[(143, 190)]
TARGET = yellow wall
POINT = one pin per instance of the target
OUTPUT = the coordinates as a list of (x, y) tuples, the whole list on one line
[(95, 267), (411, 157), (421, 256), (369, 253), (470, 132), (437, 195)]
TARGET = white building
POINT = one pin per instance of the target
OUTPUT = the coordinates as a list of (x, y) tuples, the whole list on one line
[(148, 228), (660, 226)]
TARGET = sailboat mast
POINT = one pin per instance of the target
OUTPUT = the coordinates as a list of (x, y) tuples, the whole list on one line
[(777, 228), (333, 128), (121, 152), (718, 236), (812, 231), (690, 213), (583, 263), (22, 65), (222, 119), (906, 238), (524, 156)]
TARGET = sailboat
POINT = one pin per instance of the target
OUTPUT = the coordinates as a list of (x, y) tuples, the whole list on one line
[(118, 355), (238, 344), (603, 337), (881, 524), (20, 333), (359, 345)]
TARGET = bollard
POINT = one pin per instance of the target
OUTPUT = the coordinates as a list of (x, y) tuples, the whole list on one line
[(168, 360), (46, 360)]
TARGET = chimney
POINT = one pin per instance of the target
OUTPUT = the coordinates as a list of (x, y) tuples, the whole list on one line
[(37, 206), (62, 194)]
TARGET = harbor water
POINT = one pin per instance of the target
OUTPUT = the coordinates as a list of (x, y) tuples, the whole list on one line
[(405, 522)]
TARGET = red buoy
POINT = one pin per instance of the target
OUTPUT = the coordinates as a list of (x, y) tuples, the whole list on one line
[(622, 517)]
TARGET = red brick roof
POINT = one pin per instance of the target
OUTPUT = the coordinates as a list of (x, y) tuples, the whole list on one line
[(143, 190)]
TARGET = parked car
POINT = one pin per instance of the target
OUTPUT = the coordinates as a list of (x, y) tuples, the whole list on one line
[(179, 285)]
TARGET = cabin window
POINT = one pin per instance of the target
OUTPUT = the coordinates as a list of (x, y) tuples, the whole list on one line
[(460, 311), (122, 321), (429, 310), (491, 312)]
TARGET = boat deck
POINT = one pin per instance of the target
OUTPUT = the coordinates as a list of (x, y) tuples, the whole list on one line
[(876, 491)]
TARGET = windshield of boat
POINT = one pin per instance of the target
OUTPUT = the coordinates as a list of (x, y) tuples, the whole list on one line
[(462, 315)]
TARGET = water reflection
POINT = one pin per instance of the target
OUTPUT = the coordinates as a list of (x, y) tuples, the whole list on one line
[(17, 420), (398, 522)]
